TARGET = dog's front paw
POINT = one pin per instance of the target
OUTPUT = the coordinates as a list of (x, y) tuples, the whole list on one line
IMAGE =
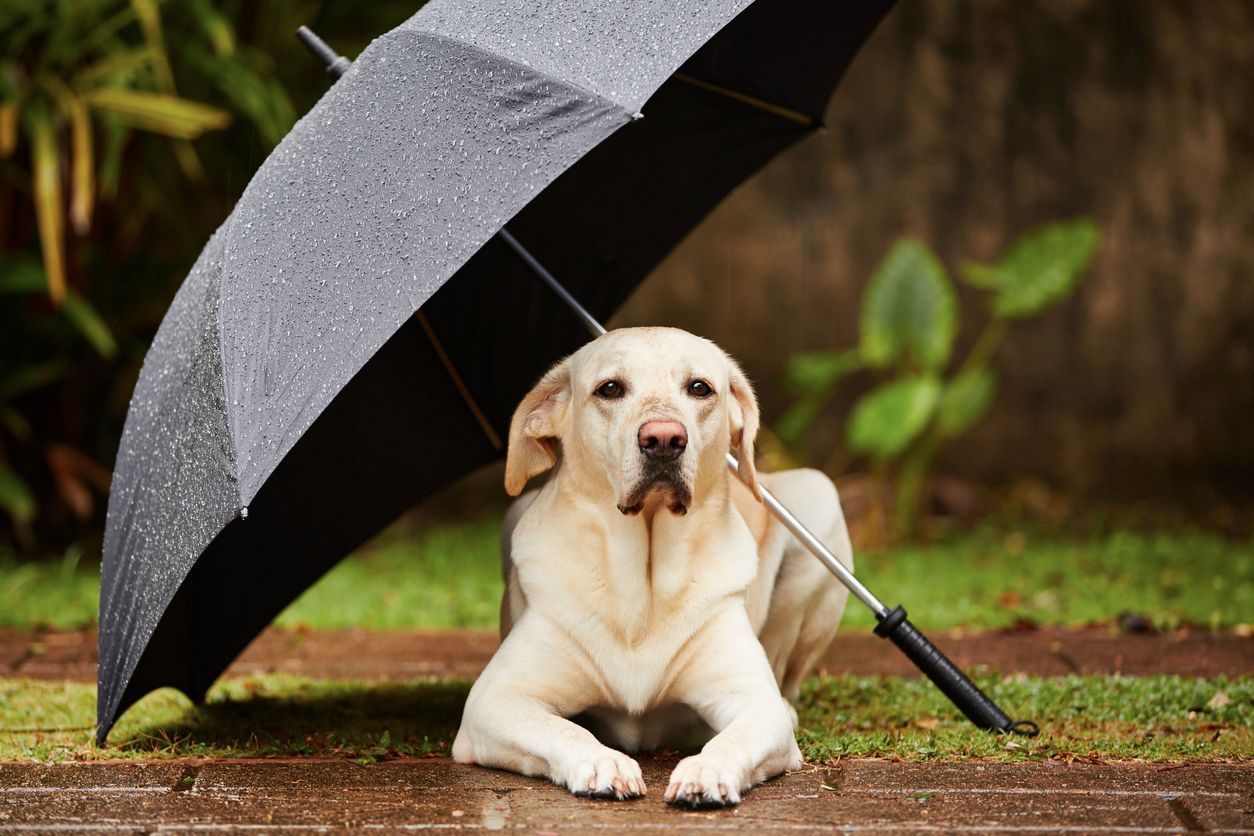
[(613, 775), (698, 781)]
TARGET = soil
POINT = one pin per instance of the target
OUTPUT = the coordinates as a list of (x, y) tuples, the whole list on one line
[(362, 654)]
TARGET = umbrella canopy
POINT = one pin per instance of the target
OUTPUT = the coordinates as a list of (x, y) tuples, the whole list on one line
[(353, 338)]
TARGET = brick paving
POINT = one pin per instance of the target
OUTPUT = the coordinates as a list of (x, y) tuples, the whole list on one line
[(854, 796)]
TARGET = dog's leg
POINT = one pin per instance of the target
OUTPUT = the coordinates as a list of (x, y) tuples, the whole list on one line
[(513, 602), (726, 679), (514, 721)]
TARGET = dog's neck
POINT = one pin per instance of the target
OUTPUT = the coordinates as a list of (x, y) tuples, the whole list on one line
[(656, 557)]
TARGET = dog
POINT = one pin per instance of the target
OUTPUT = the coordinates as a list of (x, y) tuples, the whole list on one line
[(650, 597)]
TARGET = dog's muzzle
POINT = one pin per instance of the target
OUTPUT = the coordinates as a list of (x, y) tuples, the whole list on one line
[(660, 475)]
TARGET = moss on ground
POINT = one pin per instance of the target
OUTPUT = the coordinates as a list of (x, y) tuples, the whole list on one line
[(1156, 718)]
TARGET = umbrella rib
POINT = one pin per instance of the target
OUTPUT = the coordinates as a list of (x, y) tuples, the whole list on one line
[(744, 98), (462, 388)]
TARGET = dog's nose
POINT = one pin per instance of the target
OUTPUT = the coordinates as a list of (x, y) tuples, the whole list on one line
[(662, 439)]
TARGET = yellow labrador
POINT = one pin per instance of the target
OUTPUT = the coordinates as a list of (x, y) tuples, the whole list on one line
[(648, 594)]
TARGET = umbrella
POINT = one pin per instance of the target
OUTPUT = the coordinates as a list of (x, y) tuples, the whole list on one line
[(356, 334)]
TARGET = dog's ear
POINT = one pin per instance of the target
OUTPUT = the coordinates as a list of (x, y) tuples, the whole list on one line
[(742, 420), (536, 428)]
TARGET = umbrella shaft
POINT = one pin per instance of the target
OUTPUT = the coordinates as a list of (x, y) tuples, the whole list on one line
[(816, 548), (589, 321), (807, 538)]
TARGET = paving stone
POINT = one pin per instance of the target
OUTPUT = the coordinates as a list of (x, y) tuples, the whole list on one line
[(1217, 813), (435, 774), (13, 649), (871, 796), (87, 777), (971, 810), (187, 809), (1123, 778)]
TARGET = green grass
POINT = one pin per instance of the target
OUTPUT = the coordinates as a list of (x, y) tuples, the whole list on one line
[(449, 576), (62, 593), (1158, 718), (993, 579)]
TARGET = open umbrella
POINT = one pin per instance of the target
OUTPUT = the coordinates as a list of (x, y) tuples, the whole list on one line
[(355, 335)]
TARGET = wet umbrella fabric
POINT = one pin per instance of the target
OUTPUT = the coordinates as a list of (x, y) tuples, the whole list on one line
[(353, 339)]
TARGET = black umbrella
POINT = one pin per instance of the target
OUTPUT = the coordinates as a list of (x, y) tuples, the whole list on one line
[(354, 337)]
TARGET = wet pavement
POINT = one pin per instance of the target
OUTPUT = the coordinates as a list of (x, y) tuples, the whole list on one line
[(435, 794), (363, 654)]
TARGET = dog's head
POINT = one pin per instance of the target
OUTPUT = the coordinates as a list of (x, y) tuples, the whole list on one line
[(648, 412)]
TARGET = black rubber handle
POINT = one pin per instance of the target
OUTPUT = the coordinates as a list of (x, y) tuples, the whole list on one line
[(948, 677)]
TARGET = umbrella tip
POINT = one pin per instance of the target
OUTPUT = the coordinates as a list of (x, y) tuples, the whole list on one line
[(336, 64)]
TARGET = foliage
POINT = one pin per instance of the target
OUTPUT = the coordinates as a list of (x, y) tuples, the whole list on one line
[(909, 311), (907, 332), (990, 578), (1154, 718), (77, 78), (888, 419), (78, 70), (127, 130)]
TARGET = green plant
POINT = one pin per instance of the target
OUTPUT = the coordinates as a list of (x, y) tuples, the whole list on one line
[(907, 331), (85, 88), (77, 70), (22, 276)]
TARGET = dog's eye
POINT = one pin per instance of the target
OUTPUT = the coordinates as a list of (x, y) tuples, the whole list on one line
[(610, 390), (700, 389)]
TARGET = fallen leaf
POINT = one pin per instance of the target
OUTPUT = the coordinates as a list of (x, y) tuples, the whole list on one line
[(1219, 700), (1010, 599), (928, 722)]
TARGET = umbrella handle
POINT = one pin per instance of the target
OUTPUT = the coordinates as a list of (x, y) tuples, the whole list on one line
[(948, 677)]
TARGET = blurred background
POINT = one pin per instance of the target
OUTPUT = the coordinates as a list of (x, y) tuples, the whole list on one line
[(1100, 153)]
